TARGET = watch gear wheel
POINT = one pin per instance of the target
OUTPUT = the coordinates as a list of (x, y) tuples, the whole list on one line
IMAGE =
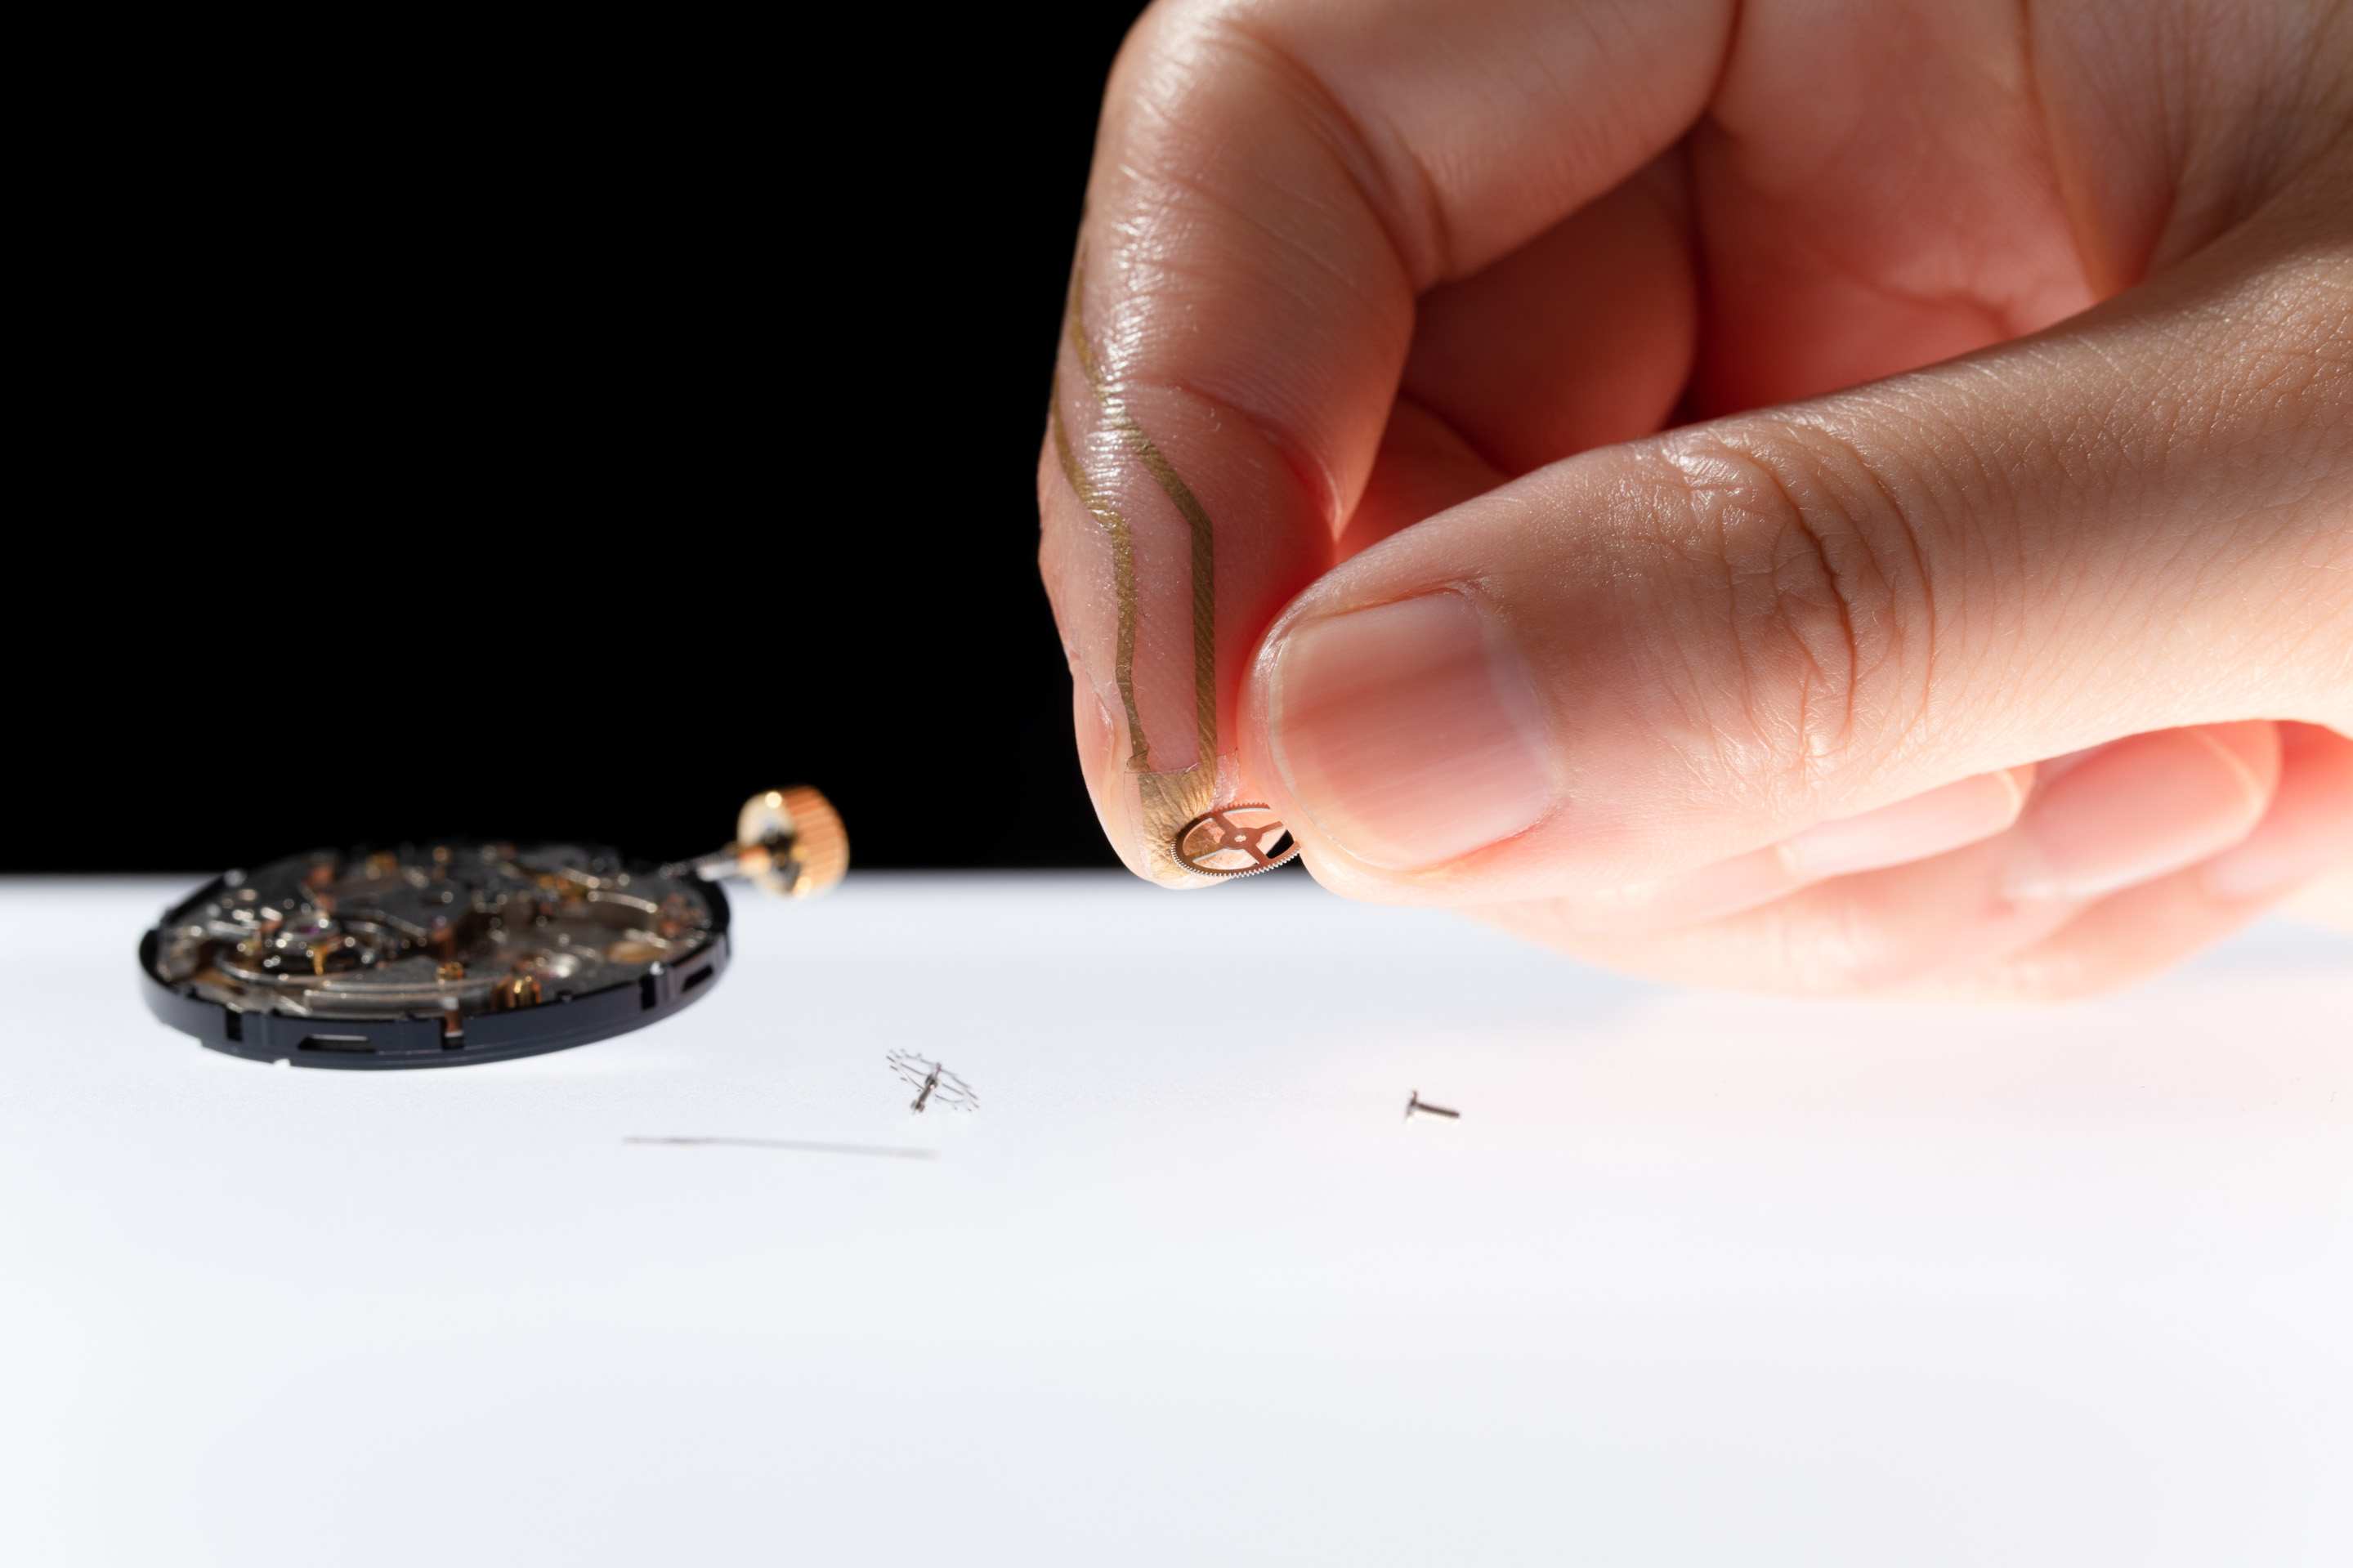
[(1235, 841)]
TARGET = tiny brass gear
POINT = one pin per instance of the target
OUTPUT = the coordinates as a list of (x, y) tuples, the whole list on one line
[(1234, 841)]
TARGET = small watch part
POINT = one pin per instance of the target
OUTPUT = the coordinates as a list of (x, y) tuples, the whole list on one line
[(933, 1084), (465, 951), (1235, 841), (789, 841), (460, 930)]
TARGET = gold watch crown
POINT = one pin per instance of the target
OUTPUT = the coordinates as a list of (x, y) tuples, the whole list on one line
[(789, 841)]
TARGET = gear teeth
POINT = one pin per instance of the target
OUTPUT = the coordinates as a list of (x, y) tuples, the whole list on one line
[(1218, 833), (820, 843)]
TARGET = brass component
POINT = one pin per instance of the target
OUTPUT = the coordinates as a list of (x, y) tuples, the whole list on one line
[(1169, 804), (1197, 520), (448, 971), (1235, 841), (789, 841), (1122, 578), (519, 991), (801, 837)]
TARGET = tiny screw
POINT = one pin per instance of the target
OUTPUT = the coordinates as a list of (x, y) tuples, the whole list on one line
[(1418, 1103)]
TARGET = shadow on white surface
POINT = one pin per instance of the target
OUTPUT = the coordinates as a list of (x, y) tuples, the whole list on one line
[(1694, 1279)]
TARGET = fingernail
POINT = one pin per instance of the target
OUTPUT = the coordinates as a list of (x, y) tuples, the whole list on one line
[(2308, 828), (1945, 818), (2137, 810), (1410, 732)]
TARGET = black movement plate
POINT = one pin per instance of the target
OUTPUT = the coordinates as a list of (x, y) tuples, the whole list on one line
[(417, 1040)]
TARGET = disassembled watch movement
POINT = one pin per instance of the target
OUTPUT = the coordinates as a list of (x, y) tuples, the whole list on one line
[(450, 953)]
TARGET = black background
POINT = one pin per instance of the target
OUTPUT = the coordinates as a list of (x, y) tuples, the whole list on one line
[(550, 436)]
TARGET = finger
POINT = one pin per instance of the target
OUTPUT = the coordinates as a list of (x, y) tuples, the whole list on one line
[(2307, 831), (1271, 190), (1657, 655), (2144, 809), (2305, 835), (1581, 337), (1943, 819), (1959, 930), (2125, 937), (2135, 812), (1873, 932), (1424, 466)]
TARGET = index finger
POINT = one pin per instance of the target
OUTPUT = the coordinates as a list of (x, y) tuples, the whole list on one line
[(1273, 185)]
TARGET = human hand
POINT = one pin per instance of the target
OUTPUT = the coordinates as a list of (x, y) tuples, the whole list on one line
[(1983, 625)]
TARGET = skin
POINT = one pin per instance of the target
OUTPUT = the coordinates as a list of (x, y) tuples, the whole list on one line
[(1825, 404)]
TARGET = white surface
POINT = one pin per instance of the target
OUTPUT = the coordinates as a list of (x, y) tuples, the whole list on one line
[(1696, 1280)]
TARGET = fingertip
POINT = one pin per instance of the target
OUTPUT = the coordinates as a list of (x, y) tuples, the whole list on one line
[(1097, 734), (2308, 828), (2116, 942), (2251, 748), (2143, 808)]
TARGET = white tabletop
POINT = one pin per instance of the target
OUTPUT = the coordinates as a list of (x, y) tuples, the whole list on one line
[(1693, 1280)]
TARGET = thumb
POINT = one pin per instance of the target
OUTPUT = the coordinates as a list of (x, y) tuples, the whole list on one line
[(1656, 656)]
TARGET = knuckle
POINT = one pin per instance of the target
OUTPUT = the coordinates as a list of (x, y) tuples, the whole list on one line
[(1811, 577)]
